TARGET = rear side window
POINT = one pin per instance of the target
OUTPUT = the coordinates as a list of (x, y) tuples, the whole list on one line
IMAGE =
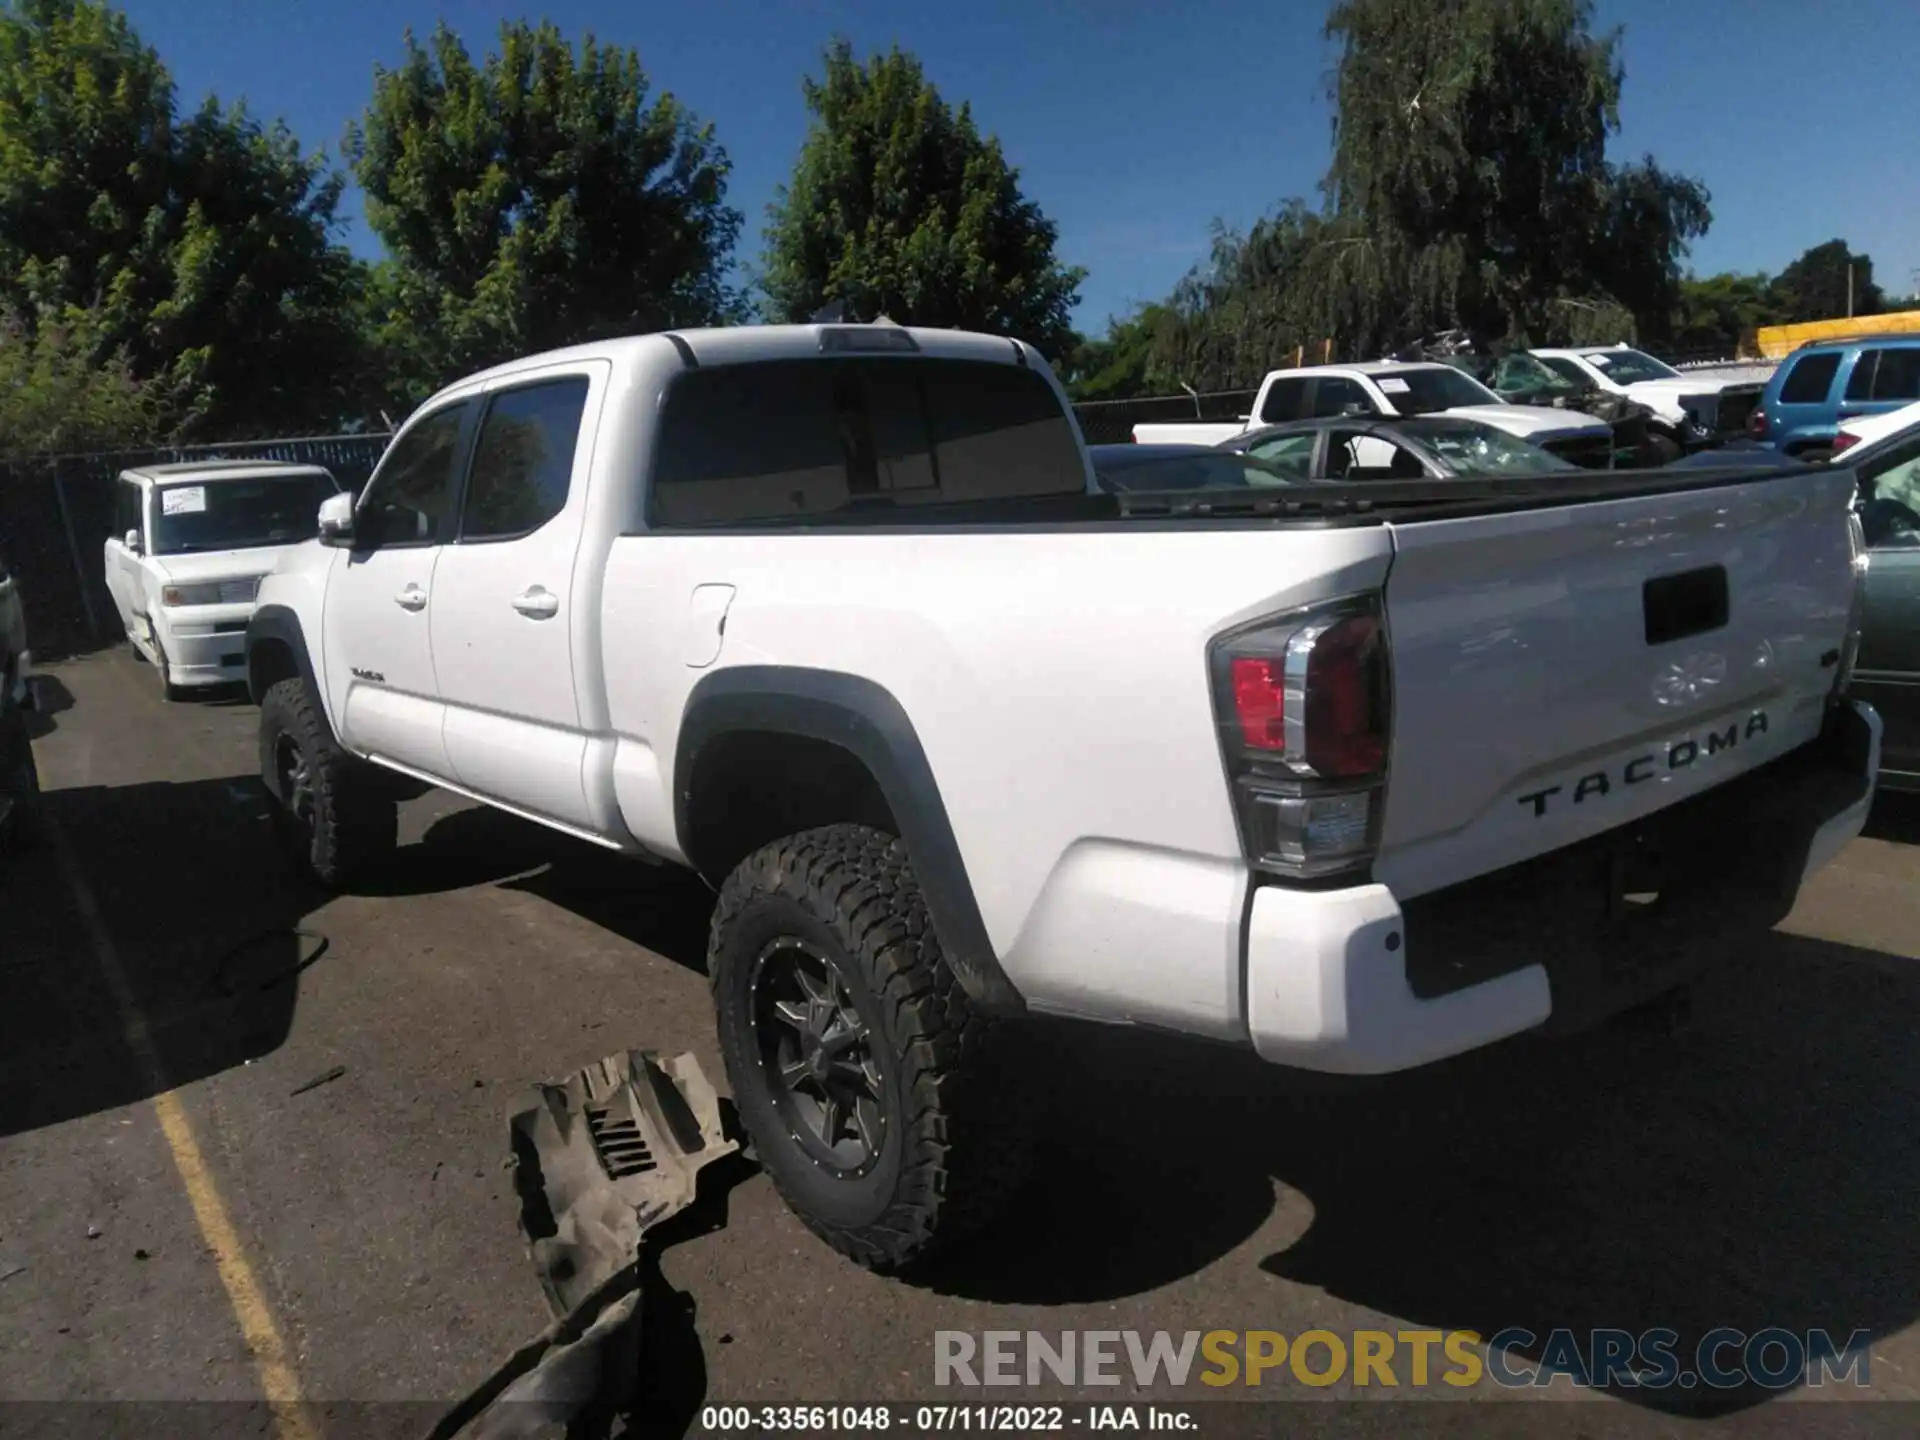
[(1810, 379), (1285, 400), (1897, 377), (798, 441), (523, 459)]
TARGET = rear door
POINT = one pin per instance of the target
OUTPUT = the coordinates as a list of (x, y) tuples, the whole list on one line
[(1887, 673), (508, 615), (1881, 380), (1561, 672), (1808, 399), (377, 648)]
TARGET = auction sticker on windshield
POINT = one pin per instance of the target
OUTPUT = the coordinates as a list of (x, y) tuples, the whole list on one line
[(1394, 385), (184, 500)]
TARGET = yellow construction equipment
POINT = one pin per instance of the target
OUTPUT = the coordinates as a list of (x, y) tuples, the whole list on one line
[(1774, 342)]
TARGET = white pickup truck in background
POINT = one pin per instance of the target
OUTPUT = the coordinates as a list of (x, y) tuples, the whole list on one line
[(1358, 777), (1390, 388), (1690, 411)]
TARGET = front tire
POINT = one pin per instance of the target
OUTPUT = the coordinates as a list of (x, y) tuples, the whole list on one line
[(863, 1075), (329, 805), (1663, 449)]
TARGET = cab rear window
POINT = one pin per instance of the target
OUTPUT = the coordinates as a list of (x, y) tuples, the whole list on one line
[(911, 440)]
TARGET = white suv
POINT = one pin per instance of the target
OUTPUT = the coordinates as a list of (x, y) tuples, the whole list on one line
[(190, 545)]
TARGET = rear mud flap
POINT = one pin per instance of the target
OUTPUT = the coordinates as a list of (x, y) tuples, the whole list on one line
[(599, 1160)]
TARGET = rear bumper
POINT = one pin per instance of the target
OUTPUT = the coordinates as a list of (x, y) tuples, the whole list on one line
[(1351, 981)]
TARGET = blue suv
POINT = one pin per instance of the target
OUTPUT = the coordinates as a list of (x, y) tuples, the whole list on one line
[(1820, 386)]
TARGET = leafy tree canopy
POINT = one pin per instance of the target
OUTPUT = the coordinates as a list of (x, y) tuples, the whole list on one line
[(1814, 287), (533, 200), (899, 206), (199, 249)]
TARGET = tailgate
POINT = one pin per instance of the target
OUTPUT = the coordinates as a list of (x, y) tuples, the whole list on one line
[(1560, 672)]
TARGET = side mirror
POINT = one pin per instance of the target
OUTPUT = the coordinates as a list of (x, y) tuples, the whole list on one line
[(336, 519), (132, 541)]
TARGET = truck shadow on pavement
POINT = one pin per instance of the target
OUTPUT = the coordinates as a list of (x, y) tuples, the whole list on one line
[(202, 955), (1752, 1170)]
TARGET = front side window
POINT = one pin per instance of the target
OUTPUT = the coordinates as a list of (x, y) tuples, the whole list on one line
[(1810, 379), (1337, 395), (523, 459), (409, 500), (784, 441), (1890, 500), (1567, 369), (194, 516), (126, 511)]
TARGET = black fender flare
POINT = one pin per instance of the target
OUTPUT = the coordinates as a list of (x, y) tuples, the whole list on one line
[(865, 720), (280, 624)]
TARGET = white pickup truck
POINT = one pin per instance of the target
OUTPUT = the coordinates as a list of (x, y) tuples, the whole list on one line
[(1356, 776), (1388, 388), (1690, 411)]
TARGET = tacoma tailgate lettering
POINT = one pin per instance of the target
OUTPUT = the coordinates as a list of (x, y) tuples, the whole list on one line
[(1678, 755)]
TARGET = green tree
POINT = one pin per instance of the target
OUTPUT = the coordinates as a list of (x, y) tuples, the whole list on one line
[(1814, 287), (200, 247), (1470, 184), (1713, 312), (534, 200), (63, 392), (1120, 364), (899, 206)]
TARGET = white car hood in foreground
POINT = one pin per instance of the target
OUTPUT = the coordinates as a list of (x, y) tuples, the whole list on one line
[(1525, 420), (203, 565)]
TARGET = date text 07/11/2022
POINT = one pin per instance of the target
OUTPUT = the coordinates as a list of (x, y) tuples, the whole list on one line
[(1007, 1419)]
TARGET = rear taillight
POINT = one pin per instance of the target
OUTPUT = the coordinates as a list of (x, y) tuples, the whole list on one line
[(1302, 703), (1757, 423), (1844, 441)]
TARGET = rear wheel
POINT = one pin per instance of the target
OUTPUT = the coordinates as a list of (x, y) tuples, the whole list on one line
[(869, 1086), (336, 817)]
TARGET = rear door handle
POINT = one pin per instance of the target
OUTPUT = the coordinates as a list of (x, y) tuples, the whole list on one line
[(537, 603), (413, 597)]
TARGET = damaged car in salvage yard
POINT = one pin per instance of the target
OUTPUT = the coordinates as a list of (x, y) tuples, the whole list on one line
[(838, 617)]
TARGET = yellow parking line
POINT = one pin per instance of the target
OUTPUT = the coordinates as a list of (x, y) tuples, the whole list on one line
[(272, 1360)]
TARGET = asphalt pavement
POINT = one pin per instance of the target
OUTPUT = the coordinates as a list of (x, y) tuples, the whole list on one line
[(179, 1228)]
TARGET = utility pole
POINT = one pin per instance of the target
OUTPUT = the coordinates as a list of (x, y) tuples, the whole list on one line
[(1849, 287)]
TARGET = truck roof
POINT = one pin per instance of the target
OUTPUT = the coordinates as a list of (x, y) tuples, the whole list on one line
[(1361, 367), (737, 344), (213, 471)]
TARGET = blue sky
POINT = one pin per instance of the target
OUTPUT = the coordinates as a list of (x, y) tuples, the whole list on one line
[(1134, 124)]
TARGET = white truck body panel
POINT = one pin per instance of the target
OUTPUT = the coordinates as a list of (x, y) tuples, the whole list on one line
[(1055, 677)]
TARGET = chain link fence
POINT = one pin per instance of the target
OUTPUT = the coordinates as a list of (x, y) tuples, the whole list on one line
[(56, 512)]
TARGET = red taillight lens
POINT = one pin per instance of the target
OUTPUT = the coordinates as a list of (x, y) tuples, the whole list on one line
[(1303, 706), (1757, 423), (1260, 702), (1844, 441), (1343, 721)]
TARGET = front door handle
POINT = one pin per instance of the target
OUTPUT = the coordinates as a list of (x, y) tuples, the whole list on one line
[(413, 597), (537, 603)]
